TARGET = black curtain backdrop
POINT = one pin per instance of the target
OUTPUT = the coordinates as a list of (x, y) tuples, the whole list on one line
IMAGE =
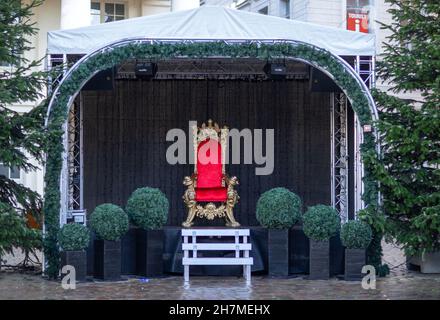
[(125, 138)]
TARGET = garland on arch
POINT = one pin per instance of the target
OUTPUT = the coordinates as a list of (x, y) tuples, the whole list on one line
[(113, 56)]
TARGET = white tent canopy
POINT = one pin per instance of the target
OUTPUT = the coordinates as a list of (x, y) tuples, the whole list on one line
[(213, 23)]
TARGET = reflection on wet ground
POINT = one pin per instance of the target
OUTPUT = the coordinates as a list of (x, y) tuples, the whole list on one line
[(406, 285)]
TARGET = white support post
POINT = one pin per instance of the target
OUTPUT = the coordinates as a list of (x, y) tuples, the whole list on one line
[(373, 72), (185, 267), (194, 243), (237, 241), (246, 268)]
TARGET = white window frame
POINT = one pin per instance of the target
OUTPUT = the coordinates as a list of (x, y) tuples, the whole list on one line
[(102, 13)]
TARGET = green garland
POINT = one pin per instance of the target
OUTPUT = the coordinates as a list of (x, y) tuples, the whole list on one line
[(113, 56)]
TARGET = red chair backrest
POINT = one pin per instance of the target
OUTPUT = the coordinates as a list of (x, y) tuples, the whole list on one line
[(209, 164)]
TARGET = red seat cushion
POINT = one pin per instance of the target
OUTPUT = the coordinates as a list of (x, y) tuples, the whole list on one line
[(211, 194), (209, 164)]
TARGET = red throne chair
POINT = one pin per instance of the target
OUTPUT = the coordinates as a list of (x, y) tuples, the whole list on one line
[(210, 184)]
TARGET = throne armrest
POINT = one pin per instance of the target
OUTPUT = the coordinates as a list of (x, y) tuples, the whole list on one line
[(230, 181), (190, 180)]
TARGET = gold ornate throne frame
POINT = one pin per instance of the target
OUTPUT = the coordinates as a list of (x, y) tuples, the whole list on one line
[(222, 192)]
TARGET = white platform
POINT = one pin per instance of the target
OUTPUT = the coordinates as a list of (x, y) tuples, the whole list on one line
[(241, 248)]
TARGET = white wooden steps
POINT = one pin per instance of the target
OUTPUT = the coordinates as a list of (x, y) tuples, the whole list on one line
[(241, 248)]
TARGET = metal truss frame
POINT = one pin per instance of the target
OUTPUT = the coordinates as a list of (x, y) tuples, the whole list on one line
[(72, 172), (339, 154)]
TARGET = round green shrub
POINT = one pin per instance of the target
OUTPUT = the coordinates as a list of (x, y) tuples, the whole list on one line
[(73, 237), (356, 234), (109, 221), (148, 208), (321, 222), (278, 208)]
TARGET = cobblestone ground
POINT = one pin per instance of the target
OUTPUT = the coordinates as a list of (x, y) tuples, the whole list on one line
[(401, 284), (409, 286)]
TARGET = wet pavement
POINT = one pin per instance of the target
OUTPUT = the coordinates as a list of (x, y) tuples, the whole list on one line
[(396, 286), (400, 284)]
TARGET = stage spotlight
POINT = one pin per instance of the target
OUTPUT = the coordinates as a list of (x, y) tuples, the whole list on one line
[(275, 71), (145, 70)]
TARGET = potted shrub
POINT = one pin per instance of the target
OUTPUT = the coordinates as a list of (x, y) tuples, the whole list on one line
[(148, 209), (278, 210), (73, 239), (355, 237), (320, 223), (109, 222)]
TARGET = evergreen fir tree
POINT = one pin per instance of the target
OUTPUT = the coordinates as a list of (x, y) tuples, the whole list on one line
[(22, 135), (409, 168)]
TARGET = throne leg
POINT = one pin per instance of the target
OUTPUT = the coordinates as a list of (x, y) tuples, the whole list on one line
[(230, 220), (192, 210)]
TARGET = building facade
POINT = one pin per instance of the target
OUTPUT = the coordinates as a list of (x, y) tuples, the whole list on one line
[(355, 15), (67, 14)]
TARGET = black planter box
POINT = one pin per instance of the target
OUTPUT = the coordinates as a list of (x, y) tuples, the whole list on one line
[(355, 259), (107, 260), (278, 252), (128, 252), (77, 259), (149, 253), (319, 260)]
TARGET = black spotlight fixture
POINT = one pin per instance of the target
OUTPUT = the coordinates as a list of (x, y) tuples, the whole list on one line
[(275, 71), (145, 70)]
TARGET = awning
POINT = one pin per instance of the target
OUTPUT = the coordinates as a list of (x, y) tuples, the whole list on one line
[(210, 23)]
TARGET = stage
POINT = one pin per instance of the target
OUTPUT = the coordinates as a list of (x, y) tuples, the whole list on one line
[(125, 145), (113, 123), (172, 258), (124, 127)]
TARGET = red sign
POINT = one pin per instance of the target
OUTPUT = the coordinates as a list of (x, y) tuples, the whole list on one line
[(357, 21)]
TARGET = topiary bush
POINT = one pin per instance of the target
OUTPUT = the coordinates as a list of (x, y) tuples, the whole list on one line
[(356, 234), (148, 208), (321, 222), (109, 221), (73, 237), (278, 208)]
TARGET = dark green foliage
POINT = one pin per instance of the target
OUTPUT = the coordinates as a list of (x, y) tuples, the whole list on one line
[(356, 234), (73, 236), (321, 222), (409, 171), (109, 58), (22, 135), (278, 208), (15, 233), (374, 254), (109, 221), (148, 208)]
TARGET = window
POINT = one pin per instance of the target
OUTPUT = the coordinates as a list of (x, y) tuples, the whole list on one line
[(11, 173), (285, 9), (96, 12), (103, 11), (265, 10)]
